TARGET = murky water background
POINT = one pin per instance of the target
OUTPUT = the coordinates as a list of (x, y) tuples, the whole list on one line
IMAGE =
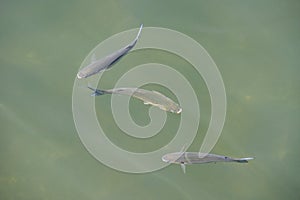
[(255, 45)]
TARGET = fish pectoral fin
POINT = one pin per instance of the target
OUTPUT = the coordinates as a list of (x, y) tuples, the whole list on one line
[(182, 165)]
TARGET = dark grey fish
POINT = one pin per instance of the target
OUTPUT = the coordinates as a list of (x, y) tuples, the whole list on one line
[(105, 63), (184, 158), (148, 97)]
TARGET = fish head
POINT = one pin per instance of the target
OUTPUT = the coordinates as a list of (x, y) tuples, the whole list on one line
[(81, 75), (86, 71), (166, 158), (173, 157), (176, 109)]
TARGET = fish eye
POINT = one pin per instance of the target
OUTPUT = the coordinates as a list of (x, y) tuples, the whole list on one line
[(226, 157)]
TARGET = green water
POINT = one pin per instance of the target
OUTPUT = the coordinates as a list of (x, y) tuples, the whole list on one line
[(255, 45)]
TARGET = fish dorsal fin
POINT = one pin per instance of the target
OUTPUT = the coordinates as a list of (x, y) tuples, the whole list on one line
[(182, 165), (93, 58), (184, 148)]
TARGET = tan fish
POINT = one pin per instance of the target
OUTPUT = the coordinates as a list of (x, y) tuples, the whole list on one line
[(148, 97), (105, 63)]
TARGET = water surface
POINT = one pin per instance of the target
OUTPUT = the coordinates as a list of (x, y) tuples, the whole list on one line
[(255, 45)]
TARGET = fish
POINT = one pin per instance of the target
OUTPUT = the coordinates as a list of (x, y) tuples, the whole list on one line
[(153, 98), (107, 62), (188, 158)]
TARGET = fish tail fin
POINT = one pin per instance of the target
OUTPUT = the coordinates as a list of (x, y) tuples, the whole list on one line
[(96, 92), (140, 30), (243, 160), (136, 38), (132, 44)]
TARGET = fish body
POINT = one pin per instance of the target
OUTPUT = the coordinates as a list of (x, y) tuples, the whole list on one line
[(148, 97), (105, 63), (198, 158), (184, 158)]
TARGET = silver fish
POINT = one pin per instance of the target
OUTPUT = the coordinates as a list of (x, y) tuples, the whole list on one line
[(184, 158), (97, 66), (148, 97)]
